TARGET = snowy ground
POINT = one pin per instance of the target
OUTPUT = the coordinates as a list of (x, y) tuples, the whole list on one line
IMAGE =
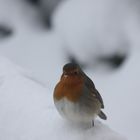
[(27, 110), (28, 113)]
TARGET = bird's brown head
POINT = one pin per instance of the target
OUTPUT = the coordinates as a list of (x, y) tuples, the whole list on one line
[(72, 72), (71, 69)]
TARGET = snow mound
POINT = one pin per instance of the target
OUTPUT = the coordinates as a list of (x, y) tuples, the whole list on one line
[(28, 113), (96, 27)]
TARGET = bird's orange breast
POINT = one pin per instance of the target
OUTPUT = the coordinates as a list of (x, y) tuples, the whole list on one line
[(71, 88)]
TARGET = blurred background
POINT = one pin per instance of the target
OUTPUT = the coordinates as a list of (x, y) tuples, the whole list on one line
[(102, 36)]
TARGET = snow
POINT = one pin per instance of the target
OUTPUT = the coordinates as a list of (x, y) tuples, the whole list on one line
[(121, 94), (27, 111), (31, 63), (97, 27)]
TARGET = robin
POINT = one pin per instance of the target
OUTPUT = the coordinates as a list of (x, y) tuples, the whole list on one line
[(76, 97)]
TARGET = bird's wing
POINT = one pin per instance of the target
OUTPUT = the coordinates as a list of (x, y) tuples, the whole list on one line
[(94, 91)]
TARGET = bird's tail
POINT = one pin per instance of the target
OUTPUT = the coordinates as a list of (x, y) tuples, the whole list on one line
[(102, 115)]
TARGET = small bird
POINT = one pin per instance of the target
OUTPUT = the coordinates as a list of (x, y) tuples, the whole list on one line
[(76, 97)]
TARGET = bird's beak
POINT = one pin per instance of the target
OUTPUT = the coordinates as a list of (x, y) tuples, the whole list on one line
[(65, 74)]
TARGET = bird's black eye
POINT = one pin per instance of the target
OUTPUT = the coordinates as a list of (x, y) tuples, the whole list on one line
[(76, 72)]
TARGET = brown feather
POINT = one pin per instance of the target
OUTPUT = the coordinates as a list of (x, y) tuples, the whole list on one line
[(94, 91), (70, 87)]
